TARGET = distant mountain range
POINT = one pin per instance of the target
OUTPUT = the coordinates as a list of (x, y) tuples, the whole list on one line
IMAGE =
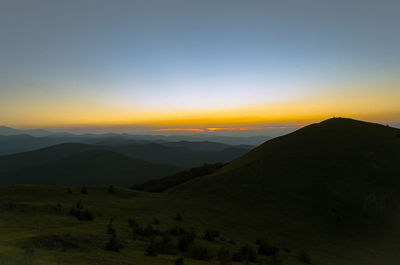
[(92, 167), (7, 131), (15, 141), (64, 164)]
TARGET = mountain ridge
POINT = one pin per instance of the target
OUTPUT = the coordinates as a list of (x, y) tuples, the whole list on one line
[(338, 163)]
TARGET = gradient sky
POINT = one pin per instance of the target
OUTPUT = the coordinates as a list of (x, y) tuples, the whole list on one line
[(147, 65)]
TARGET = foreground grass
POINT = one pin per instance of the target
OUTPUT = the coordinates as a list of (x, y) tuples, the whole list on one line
[(27, 212)]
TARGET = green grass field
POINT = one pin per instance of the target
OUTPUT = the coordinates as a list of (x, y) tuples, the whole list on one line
[(27, 212)]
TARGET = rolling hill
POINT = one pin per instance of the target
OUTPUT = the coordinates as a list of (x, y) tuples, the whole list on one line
[(179, 156), (14, 141), (339, 169), (93, 167), (330, 190), (183, 155)]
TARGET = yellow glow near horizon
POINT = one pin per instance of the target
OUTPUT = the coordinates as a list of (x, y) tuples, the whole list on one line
[(360, 102)]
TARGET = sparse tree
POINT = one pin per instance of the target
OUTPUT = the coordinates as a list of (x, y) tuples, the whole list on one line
[(111, 189)]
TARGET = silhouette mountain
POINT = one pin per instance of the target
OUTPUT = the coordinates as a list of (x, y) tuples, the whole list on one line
[(339, 170), (179, 156), (93, 167), (14, 141), (184, 154), (7, 131)]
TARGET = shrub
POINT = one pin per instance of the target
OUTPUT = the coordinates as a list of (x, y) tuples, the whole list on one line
[(136, 228), (224, 256), (55, 209), (265, 249), (84, 190), (133, 224), (79, 205), (200, 253), (153, 248), (149, 230), (113, 244), (304, 257), (178, 217), (276, 259), (29, 252), (81, 213), (179, 261), (54, 242), (210, 235), (185, 241), (156, 221), (245, 253), (110, 228), (111, 189), (176, 231)]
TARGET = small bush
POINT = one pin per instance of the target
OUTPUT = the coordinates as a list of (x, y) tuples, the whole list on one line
[(186, 241), (179, 261), (54, 242), (178, 217), (156, 221), (245, 253), (200, 253), (113, 243), (153, 248), (176, 231), (29, 252), (224, 256), (304, 257), (110, 228), (84, 190), (81, 213), (266, 249), (276, 259), (133, 224), (210, 235)]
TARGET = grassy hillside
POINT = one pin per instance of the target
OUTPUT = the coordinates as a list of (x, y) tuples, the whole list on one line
[(36, 227), (94, 167), (325, 194), (336, 161), (336, 178), (171, 181)]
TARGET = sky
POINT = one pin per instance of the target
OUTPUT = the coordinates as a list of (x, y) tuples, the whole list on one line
[(172, 66)]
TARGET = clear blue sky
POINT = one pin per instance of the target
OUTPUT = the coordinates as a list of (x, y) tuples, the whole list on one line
[(180, 64)]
